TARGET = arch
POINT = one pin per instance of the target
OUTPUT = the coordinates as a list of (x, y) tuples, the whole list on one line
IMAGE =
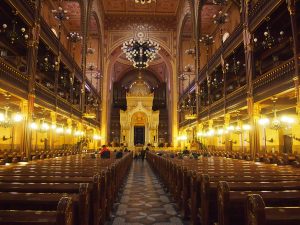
[(171, 70), (136, 114), (187, 17)]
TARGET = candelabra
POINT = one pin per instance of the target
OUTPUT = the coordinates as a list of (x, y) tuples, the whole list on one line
[(234, 68), (13, 31), (220, 2), (190, 51), (98, 76), (47, 63), (60, 15), (90, 50), (207, 41), (140, 52), (220, 19), (144, 1), (7, 121), (275, 124), (268, 40), (74, 37)]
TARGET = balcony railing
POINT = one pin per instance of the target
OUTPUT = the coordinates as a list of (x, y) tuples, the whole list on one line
[(261, 9), (278, 79), (216, 58), (11, 75)]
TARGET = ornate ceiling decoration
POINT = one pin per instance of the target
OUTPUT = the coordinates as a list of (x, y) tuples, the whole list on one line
[(163, 7), (129, 22), (206, 17), (74, 14)]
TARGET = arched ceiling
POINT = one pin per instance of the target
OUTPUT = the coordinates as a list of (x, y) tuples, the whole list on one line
[(207, 14), (163, 7), (122, 66)]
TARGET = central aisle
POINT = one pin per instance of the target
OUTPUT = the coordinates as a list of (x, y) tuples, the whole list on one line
[(144, 200)]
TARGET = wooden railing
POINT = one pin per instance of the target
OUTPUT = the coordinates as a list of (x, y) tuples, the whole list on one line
[(282, 71), (262, 9), (10, 75), (215, 59), (187, 122)]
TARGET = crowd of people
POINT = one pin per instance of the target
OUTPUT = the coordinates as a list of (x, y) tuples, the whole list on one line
[(105, 152)]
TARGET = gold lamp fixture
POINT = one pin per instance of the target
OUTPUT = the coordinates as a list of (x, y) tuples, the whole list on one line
[(144, 1)]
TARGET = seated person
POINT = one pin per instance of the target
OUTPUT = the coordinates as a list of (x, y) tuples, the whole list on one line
[(186, 152), (105, 153), (119, 154)]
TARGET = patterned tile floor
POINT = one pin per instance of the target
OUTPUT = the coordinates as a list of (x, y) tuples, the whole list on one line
[(144, 201)]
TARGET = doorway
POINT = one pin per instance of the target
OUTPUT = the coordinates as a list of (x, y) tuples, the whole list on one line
[(139, 135)]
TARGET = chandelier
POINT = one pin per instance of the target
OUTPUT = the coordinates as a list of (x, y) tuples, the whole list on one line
[(140, 52), (14, 31), (6, 121), (144, 1)]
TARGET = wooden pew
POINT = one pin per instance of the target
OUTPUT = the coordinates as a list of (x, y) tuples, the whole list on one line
[(232, 205), (208, 212), (183, 176), (259, 214), (82, 197), (97, 213), (63, 215), (101, 175)]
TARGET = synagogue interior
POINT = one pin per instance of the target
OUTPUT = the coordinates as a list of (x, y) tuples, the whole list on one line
[(170, 112)]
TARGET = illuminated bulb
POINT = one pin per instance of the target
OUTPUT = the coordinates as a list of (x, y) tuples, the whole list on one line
[(2, 117), (220, 131), (69, 131), (53, 126), (263, 121), (45, 126), (286, 119), (18, 117), (59, 130), (96, 137), (33, 126), (230, 128), (246, 127), (237, 128)]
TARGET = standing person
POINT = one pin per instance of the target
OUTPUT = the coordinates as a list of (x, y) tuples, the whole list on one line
[(143, 154)]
